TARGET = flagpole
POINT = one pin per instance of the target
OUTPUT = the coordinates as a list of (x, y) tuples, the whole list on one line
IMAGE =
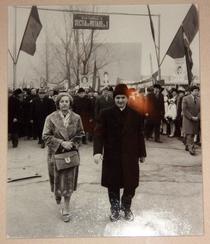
[(157, 52), (159, 70), (14, 48)]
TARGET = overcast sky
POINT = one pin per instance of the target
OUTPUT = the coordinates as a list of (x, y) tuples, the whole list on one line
[(123, 28)]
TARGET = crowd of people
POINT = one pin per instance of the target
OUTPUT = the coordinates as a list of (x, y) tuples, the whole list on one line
[(161, 108), (116, 120)]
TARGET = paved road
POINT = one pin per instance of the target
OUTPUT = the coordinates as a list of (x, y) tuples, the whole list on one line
[(167, 202)]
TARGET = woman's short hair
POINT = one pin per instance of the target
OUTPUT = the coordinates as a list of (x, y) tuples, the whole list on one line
[(63, 94)]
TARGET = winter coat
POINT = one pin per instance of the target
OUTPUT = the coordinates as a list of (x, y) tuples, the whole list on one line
[(190, 109), (55, 132), (137, 103), (14, 112), (119, 135), (40, 109), (102, 103), (82, 106), (154, 107)]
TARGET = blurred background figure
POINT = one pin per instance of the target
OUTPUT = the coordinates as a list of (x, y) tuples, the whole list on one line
[(41, 107), (14, 116), (82, 106), (104, 101)]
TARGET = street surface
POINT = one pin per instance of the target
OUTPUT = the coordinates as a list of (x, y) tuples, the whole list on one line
[(168, 201)]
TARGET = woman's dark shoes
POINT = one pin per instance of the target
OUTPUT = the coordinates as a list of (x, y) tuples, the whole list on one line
[(65, 216)]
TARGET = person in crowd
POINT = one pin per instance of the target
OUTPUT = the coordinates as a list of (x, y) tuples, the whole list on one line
[(191, 117), (33, 97), (164, 122), (118, 136), (14, 116), (154, 112), (26, 108), (170, 115), (149, 125), (104, 101), (63, 131), (92, 99), (82, 106), (110, 91), (50, 94), (40, 108), (181, 93), (136, 101), (158, 111)]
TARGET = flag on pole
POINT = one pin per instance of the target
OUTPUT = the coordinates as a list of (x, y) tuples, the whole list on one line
[(190, 28), (31, 33), (151, 24), (188, 57), (94, 76)]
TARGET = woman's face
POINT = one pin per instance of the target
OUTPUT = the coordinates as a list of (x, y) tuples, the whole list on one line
[(64, 103)]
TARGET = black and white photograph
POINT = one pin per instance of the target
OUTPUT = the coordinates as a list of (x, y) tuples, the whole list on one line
[(104, 122)]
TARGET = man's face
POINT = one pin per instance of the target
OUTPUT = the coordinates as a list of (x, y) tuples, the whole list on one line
[(156, 90), (121, 101), (42, 95), (33, 91), (81, 94), (195, 92), (105, 93)]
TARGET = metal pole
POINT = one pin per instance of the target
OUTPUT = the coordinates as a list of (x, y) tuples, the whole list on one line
[(159, 70), (14, 48), (46, 55)]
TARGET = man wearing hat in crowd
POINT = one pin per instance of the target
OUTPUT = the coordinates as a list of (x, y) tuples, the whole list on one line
[(104, 101), (191, 117), (181, 93), (41, 107), (14, 116), (157, 110), (82, 106), (118, 136)]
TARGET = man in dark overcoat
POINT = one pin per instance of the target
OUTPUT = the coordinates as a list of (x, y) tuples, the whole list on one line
[(191, 118), (104, 101), (41, 107), (119, 137), (14, 116), (82, 106), (158, 110)]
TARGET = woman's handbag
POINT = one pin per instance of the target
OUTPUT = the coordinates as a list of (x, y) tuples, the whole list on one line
[(67, 160)]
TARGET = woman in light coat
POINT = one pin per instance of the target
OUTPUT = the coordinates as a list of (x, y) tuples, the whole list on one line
[(63, 130)]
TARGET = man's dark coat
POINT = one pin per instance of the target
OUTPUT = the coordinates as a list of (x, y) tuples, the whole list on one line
[(120, 134)]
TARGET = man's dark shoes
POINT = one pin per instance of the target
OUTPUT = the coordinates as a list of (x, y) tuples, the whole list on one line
[(128, 215), (192, 152), (158, 141), (115, 215), (186, 148)]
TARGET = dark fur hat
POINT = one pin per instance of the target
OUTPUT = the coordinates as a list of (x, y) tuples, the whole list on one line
[(121, 89)]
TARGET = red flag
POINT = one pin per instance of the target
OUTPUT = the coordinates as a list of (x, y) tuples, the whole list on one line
[(31, 33), (94, 76), (188, 57), (151, 23), (190, 28)]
